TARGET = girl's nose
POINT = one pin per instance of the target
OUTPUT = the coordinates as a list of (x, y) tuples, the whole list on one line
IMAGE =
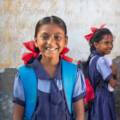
[(51, 40), (111, 46)]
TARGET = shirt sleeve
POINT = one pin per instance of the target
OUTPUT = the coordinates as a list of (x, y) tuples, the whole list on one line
[(18, 91), (103, 67), (109, 61), (80, 87)]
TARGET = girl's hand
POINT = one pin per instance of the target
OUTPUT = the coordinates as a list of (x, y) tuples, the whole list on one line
[(114, 71), (113, 83)]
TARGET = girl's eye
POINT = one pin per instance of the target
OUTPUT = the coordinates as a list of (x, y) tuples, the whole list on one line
[(44, 37), (47, 37), (108, 43), (58, 37)]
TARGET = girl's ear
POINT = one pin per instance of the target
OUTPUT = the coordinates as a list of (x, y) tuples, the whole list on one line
[(36, 43), (36, 46), (95, 44), (66, 41)]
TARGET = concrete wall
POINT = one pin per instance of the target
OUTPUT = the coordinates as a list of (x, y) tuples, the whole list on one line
[(18, 19)]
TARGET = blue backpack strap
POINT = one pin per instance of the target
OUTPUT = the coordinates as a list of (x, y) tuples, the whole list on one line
[(69, 73), (29, 80)]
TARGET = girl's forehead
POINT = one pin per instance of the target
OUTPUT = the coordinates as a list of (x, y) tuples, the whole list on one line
[(51, 28), (108, 37)]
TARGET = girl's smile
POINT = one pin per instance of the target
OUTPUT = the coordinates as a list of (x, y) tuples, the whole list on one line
[(51, 50), (105, 45), (51, 40)]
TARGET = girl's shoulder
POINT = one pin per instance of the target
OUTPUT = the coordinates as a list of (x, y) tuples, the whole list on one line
[(94, 59), (103, 64), (104, 60)]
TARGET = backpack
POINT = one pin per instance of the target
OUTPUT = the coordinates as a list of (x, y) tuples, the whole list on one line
[(90, 90), (89, 97), (29, 80)]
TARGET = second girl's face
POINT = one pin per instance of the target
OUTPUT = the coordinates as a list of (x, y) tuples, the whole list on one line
[(105, 45), (51, 40)]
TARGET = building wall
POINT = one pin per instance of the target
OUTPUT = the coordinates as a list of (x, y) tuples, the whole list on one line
[(19, 17)]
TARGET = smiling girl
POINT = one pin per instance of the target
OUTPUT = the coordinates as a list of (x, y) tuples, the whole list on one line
[(54, 95)]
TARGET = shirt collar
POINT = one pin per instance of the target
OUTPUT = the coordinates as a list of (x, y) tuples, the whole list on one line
[(95, 52), (42, 74)]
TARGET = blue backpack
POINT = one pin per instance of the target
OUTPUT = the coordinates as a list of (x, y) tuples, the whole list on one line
[(29, 80)]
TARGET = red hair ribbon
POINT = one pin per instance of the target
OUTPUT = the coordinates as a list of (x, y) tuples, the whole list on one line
[(30, 45), (62, 55), (89, 36)]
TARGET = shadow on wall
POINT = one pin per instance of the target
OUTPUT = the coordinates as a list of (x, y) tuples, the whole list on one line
[(6, 85)]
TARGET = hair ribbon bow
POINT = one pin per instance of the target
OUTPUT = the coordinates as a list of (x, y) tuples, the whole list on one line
[(89, 36)]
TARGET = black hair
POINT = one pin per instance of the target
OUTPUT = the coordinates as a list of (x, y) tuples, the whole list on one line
[(48, 20), (98, 36)]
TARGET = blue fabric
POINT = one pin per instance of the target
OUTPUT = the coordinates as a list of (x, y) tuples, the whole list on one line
[(103, 106), (50, 106), (80, 86), (69, 73), (18, 92), (50, 101), (31, 96), (50, 92), (103, 67), (27, 73)]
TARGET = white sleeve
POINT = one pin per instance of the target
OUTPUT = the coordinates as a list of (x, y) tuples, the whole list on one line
[(18, 91), (104, 68), (80, 86)]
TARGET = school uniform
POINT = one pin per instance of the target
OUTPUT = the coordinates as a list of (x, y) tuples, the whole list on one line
[(103, 106), (51, 101)]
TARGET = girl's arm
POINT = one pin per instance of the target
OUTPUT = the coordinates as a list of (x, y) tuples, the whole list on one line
[(107, 70), (18, 112), (78, 96), (18, 99), (79, 109)]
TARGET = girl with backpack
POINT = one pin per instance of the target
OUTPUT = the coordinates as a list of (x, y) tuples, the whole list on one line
[(48, 87), (100, 74)]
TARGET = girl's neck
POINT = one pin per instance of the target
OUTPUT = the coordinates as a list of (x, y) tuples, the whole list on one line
[(49, 61), (97, 52), (50, 65)]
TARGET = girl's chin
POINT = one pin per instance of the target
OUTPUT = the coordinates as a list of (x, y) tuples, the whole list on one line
[(51, 55), (106, 53), (109, 51)]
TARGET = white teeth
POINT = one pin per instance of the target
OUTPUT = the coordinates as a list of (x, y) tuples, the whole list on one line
[(51, 49)]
